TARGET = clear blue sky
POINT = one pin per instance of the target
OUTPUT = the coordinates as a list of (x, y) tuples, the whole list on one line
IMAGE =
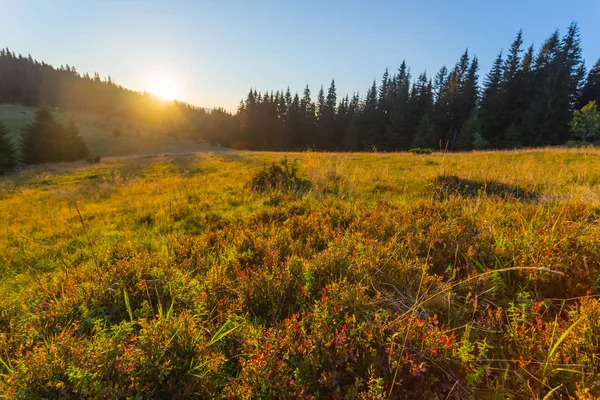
[(216, 50)]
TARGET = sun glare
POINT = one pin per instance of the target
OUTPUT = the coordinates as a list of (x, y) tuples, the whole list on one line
[(164, 87)]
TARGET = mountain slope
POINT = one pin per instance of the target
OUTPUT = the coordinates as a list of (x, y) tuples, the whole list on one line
[(108, 136)]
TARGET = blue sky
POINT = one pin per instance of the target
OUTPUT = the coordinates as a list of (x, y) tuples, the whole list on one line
[(216, 50)]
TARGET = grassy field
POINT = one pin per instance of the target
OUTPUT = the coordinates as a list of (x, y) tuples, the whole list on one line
[(446, 276), (98, 132)]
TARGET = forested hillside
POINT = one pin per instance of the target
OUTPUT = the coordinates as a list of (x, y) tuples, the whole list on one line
[(527, 99), (32, 83)]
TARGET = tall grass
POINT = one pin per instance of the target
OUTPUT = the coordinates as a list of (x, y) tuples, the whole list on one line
[(387, 276)]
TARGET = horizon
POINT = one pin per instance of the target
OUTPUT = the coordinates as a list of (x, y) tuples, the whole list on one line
[(141, 47)]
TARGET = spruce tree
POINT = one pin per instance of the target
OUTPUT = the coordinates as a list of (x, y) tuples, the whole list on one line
[(440, 106), (307, 110), (370, 127), (591, 89), (425, 137), (491, 104), (40, 138), (47, 140), (513, 59), (420, 103), (321, 124), (8, 152), (329, 121), (514, 92), (468, 134), (351, 133), (398, 135)]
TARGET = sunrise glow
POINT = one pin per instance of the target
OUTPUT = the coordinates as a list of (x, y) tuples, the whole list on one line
[(164, 87)]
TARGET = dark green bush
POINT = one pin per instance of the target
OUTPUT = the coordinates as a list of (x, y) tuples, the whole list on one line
[(283, 177)]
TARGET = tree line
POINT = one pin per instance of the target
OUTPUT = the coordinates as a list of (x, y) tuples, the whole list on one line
[(30, 82), (527, 99)]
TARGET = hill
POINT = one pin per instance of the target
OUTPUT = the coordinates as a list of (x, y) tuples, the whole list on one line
[(26, 81), (110, 136), (337, 276)]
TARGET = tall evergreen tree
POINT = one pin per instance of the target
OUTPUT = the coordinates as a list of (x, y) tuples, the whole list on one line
[(559, 75), (591, 89), (420, 103), (330, 135), (514, 96), (351, 134), (8, 152), (321, 124), (491, 104), (47, 140), (460, 95), (370, 133), (398, 135), (425, 137), (469, 133)]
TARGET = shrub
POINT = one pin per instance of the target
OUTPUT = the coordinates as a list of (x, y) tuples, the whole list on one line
[(586, 122), (283, 176)]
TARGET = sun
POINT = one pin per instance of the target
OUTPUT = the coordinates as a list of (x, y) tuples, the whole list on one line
[(164, 87)]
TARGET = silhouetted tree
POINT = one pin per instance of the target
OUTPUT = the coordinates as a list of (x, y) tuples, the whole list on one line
[(8, 152), (425, 134), (591, 88), (47, 140)]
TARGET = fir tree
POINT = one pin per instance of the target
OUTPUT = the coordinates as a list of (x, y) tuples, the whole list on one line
[(420, 103), (398, 135), (47, 140), (425, 134), (307, 110), (351, 133), (491, 104), (321, 120), (468, 133), (591, 89), (329, 115), (369, 135), (8, 152)]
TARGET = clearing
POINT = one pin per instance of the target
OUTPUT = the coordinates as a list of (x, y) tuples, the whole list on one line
[(382, 276), (109, 136)]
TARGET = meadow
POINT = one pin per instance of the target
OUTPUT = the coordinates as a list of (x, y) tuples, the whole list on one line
[(107, 136), (239, 275)]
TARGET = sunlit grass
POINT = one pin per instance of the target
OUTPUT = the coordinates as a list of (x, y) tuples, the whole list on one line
[(165, 254)]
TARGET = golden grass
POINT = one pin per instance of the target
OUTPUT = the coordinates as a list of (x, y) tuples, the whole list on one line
[(454, 252)]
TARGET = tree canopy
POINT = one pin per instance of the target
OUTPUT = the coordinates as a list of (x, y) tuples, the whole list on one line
[(527, 99)]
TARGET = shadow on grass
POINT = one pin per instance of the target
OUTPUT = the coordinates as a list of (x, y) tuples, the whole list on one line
[(452, 185)]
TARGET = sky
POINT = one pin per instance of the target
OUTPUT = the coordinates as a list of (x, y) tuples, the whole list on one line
[(213, 52)]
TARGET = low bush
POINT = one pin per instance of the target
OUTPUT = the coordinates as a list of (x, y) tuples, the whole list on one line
[(283, 177)]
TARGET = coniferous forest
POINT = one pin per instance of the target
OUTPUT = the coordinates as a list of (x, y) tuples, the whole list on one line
[(527, 99)]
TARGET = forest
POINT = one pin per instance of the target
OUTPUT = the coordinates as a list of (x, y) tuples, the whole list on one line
[(527, 99)]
